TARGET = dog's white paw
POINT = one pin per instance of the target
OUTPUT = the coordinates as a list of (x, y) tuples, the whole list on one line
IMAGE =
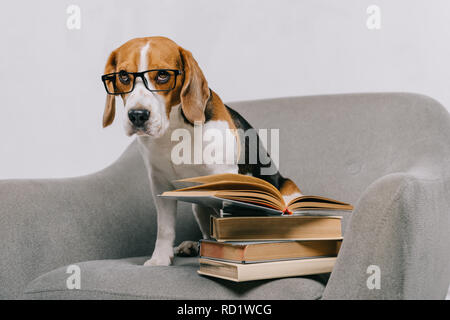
[(159, 261), (186, 249)]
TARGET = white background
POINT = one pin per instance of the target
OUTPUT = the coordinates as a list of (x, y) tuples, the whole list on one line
[(52, 98)]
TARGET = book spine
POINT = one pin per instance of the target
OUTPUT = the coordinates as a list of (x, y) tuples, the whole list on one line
[(280, 228), (283, 270)]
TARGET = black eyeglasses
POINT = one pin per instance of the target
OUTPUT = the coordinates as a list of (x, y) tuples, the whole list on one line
[(123, 82)]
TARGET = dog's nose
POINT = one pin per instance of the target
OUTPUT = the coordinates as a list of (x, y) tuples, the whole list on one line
[(138, 117)]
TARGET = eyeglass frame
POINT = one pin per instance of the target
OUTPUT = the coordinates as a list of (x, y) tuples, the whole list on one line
[(142, 76)]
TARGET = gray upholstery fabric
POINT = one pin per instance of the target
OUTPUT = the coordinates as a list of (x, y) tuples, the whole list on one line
[(128, 279), (387, 153), (398, 227), (45, 224)]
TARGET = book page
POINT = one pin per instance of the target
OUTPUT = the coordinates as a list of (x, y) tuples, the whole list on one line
[(250, 197), (231, 186), (318, 202), (230, 177)]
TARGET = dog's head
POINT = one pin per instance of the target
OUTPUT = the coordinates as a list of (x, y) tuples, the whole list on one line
[(152, 75)]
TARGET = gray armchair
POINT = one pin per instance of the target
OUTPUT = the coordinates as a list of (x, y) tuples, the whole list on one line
[(387, 153)]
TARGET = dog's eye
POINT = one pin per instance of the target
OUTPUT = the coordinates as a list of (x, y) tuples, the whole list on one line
[(124, 77), (162, 77)]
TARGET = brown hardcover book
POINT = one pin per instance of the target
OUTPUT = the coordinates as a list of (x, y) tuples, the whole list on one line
[(220, 190), (258, 251), (267, 270), (276, 228)]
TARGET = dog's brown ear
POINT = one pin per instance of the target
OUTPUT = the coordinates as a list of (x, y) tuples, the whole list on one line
[(195, 91), (110, 110), (110, 105)]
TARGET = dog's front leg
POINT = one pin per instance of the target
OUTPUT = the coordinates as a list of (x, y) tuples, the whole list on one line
[(166, 216), (203, 216)]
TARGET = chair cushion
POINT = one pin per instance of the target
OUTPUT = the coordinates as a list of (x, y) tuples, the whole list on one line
[(129, 279)]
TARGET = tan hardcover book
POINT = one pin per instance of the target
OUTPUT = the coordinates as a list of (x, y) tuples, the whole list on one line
[(239, 272), (276, 228), (246, 192), (259, 251)]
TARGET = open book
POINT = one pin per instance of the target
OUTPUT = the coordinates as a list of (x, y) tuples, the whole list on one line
[(232, 192)]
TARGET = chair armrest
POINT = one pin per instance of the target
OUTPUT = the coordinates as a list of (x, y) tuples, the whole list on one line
[(49, 223), (401, 225)]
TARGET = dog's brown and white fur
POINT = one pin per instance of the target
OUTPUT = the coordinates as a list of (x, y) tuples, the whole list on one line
[(190, 101)]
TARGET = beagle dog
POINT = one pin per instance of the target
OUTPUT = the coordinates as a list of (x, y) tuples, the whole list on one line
[(163, 89)]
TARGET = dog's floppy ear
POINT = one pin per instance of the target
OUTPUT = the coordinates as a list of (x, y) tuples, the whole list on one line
[(110, 105), (195, 92)]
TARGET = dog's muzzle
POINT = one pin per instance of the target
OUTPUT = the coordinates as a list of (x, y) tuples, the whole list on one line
[(138, 117)]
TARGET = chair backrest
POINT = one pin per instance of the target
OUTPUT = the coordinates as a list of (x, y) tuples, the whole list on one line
[(337, 145)]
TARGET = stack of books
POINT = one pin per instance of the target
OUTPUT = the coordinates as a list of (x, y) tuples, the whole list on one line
[(254, 238), (258, 247)]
